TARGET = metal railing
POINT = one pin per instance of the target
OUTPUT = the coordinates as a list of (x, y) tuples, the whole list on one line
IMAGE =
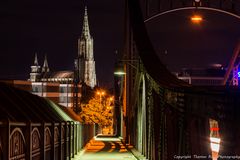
[(45, 141)]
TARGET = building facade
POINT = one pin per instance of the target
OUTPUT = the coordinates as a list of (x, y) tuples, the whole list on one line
[(85, 58), (84, 63), (60, 93), (35, 74), (211, 76), (60, 86)]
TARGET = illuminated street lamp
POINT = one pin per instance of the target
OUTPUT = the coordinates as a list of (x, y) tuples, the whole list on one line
[(196, 19), (120, 88), (110, 108), (110, 100), (100, 93), (119, 69), (120, 73)]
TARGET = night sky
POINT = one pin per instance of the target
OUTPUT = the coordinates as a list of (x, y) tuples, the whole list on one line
[(182, 44), (52, 27)]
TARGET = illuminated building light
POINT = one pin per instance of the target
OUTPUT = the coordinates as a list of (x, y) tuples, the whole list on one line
[(196, 19)]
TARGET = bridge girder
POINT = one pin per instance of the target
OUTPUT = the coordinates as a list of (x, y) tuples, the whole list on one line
[(193, 106), (153, 7)]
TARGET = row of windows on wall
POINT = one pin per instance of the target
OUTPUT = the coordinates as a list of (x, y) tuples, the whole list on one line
[(43, 89), (65, 99)]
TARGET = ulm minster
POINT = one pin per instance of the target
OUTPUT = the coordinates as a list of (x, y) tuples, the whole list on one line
[(174, 90)]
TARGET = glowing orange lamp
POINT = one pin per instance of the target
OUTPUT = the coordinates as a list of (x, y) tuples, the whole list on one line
[(196, 19)]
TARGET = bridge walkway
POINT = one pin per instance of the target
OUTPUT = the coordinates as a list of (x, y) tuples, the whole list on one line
[(105, 148)]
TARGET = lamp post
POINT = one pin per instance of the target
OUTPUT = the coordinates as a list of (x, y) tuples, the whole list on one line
[(119, 68), (100, 93), (110, 110), (117, 108), (196, 18), (120, 92), (76, 101), (110, 101)]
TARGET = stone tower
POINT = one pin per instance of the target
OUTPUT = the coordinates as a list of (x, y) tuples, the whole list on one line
[(85, 59), (35, 70), (45, 68)]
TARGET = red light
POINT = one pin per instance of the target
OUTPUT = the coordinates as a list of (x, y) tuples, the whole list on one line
[(214, 129)]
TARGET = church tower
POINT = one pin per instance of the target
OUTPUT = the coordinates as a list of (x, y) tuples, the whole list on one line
[(35, 70), (86, 63), (45, 68)]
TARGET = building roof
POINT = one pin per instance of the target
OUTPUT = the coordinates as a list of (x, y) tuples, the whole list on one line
[(21, 106), (59, 74), (203, 72), (62, 74)]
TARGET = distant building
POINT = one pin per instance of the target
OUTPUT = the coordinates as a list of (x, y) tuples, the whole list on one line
[(84, 63), (85, 59), (61, 93), (211, 76), (35, 74), (59, 86)]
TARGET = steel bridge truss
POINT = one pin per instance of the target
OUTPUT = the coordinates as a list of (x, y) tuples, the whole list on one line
[(154, 7), (165, 116)]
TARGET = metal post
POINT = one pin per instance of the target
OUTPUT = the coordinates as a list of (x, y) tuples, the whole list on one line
[(76, 81), (118, 104)]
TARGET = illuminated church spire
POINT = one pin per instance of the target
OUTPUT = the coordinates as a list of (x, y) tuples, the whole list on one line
[(86, 63), (35, 60), (35, 70), (85, 29), (45, 67)]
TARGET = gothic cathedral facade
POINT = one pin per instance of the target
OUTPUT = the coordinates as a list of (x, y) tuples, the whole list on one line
[(85, 58), (84, 63)]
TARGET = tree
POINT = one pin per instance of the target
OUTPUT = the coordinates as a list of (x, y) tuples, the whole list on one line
[(97, 110)]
